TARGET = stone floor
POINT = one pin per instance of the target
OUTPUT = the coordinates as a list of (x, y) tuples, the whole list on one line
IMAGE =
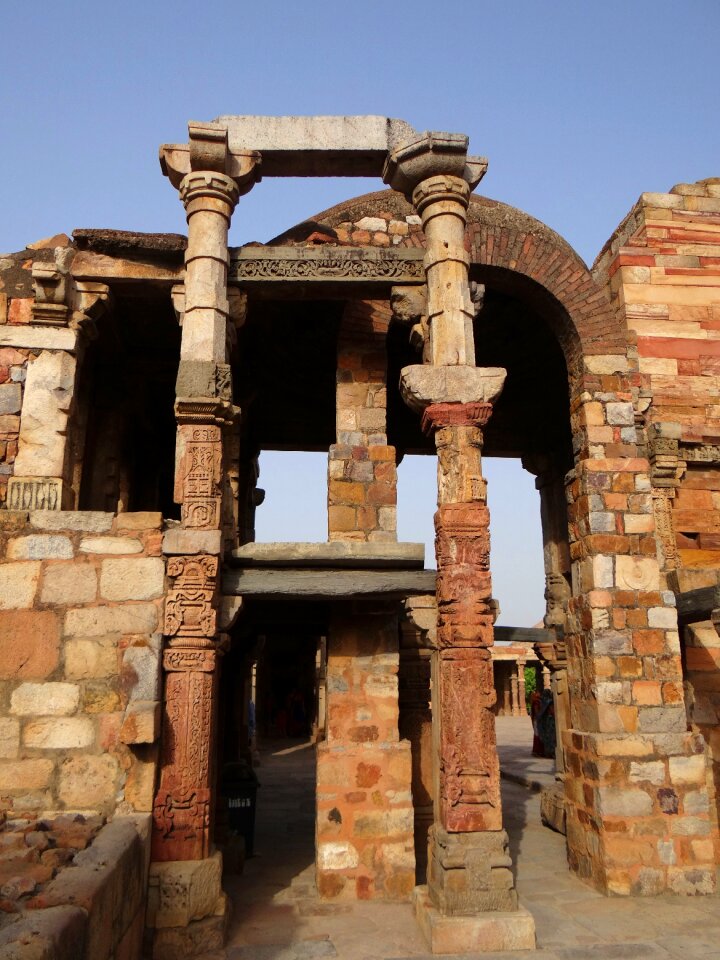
[(278, 917)]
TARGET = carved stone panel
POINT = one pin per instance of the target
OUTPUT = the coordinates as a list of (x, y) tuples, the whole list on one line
[(182, 808), (190, 614), (469, 772), (199, 474)]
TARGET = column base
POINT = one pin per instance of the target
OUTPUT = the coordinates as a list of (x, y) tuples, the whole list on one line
[(470, 873), (552, 808), (485, 932), (197, 939)]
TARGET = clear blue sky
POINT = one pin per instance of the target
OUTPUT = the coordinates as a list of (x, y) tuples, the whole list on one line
[(579, 106)]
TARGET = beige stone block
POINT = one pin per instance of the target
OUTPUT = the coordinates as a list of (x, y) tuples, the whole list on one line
[(485, 932), (40, 546), (48, 396), (637, 573), (665, 366), (182, 891), (139, 520), (45, 699), (88, 782), (88, 659), (140, 783), (337, 855), (663, 618), (87, 521), (18, 584), (687, 771), (61, 733), (628, 802), (142, 579), (9, 738), (141, 723), (638, 522), (179, 541), (69, 583), (111, 545), (606, 363), (100, 621), (25, 775)]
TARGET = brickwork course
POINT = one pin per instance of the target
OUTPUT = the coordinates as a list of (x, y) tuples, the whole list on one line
[(141, 377)]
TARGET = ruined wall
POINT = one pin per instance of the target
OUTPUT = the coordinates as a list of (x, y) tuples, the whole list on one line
[(365, 819), (362, 475), (663, 269), (81, 598)]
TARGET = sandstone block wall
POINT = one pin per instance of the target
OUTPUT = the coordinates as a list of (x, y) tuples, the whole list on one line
[(365, 819), (81, 599), (362, 475)]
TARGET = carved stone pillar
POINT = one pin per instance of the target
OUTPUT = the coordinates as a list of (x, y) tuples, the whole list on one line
[(522, 698), (469, 867), (417, 641), (514, 691), (209, 179)]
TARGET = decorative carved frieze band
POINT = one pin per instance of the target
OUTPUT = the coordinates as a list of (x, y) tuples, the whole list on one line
[(277, 264)]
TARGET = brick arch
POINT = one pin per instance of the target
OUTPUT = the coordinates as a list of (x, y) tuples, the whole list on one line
[(519, 255)]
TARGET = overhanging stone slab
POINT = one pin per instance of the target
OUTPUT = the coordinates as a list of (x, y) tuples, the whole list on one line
[(336, 554), (273, 266), (527, 635), (320, 584), (317, 146)]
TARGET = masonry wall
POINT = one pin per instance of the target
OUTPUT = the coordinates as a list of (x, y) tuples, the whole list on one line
[(81, 599), (365, 817)]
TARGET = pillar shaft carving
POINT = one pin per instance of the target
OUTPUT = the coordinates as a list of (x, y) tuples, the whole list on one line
[(182, 813)]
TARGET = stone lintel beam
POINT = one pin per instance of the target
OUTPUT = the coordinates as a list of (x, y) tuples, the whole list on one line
[(341, 146), (423, 385)]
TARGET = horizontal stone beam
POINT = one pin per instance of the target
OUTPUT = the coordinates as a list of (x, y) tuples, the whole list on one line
[(345, 265), (353, 554), (326, 584), (317, 146), (696, 605), (527, 635)]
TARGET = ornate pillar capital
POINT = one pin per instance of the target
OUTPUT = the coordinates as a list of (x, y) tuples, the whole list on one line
[(207, 152), (432, 155), (208, 190)]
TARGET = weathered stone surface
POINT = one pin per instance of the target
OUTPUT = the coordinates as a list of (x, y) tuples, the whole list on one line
[(29, 644), (62, 733), (87, 659), (88, 782), (24, 775), (39, 546), (10, 398), (43, 425), (45, 699), (482, 933), (139, 520), (9, 738), (427, 384), (100, 621), (110, 545), (141, 723), (85, 520), (182, 542), (69, 583), (357, 554), (317, 583), (18, 584), (37, 338), (140, 674), (183, 891), (141, 579)]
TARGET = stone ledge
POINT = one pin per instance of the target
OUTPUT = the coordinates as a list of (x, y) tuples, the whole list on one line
[(328, 583), (358, 555), (483, 933)]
